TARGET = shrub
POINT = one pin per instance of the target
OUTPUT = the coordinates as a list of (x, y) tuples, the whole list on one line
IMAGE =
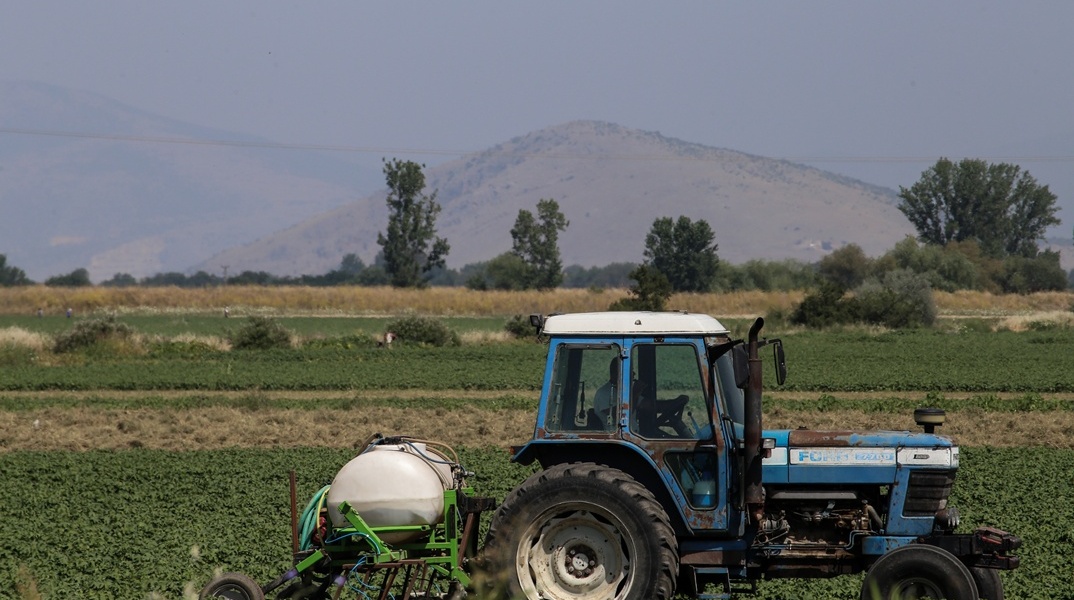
[(1023, 275), (519, 327), (902, 299), (260, 333), (91, 332), (824, 307), (423, 330)]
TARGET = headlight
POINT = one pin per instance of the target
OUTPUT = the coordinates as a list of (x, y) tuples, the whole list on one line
[(930, 457)]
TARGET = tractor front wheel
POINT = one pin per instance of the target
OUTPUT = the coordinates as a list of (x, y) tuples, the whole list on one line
[(232, 586), (918, 571), (582, 531)]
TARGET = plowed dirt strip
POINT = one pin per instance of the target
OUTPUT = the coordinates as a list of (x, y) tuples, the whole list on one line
[(81, 428)]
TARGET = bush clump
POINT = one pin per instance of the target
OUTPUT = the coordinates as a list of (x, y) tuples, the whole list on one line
[(519, 327), (260, 333), (900, 299), (423, 330), (90, 333)]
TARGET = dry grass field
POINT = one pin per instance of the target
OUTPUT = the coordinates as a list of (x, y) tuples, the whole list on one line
[(353, 300)]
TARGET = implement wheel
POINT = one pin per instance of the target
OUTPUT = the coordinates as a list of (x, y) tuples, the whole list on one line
[(232, 586), (989, 585), (918, 571), (582, 531)]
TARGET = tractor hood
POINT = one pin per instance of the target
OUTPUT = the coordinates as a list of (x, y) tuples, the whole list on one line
[(833, 457)]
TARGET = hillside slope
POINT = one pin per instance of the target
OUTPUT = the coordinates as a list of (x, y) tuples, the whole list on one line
[(86, 181), (611, 182)]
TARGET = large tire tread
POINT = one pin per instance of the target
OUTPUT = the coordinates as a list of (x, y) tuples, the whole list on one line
[(909, 565), (651, 511)]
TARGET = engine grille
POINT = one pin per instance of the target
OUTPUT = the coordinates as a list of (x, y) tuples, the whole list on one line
[(928, 492)]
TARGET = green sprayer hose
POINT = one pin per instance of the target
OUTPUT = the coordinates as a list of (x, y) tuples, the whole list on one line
[(308, 521)]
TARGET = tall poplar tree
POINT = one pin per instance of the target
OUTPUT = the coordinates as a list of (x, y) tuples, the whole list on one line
[(410, 245), (536, 242)]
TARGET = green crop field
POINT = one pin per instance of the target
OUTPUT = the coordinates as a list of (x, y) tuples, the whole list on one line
[(145, 522), (967, 361), (133, 523)]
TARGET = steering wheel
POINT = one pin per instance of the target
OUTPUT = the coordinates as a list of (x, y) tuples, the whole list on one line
[(669, 414)]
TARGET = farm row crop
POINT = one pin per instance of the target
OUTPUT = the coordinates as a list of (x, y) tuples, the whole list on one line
[(510, 400), (135, 523), (971, 361)]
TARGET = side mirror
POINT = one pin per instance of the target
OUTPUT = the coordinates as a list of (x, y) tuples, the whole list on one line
[(781, 363), (741, 360)]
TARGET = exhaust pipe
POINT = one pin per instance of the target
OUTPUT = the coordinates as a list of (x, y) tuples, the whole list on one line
[(753, 455)]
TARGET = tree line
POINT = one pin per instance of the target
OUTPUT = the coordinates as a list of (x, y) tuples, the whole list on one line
[(978, 227)]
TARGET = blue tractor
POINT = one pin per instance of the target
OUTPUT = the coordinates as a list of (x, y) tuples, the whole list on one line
[(657, 479)]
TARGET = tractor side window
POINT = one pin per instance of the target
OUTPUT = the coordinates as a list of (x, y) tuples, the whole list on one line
[(585, 394), (668, 398)]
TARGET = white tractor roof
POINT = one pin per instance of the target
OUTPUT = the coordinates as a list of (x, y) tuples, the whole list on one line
[(633, 323)]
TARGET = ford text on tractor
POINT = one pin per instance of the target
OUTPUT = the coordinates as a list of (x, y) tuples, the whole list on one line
[(656, 479)]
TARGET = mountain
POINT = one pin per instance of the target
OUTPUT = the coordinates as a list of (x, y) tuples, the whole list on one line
[(611, 182), (86, 181)]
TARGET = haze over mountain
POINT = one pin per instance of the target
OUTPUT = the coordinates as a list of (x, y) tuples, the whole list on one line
[(611, 183), (112, 198), (86, 181)]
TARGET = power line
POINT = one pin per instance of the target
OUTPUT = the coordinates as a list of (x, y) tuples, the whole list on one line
[(384, 150)]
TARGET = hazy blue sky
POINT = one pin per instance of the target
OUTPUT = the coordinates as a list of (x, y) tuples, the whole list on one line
[(886, 86)]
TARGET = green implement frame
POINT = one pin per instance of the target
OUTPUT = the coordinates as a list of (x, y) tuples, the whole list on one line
[(431, 566)]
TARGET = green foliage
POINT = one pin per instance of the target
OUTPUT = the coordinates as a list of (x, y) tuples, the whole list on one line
[(410, 246), (948, 268), (505, 272), (899, 299), (684, 251), (999, 206), (76, 278), (164, 519), (260, 333), (536, 243), (416, 329), (10, 275), (614, 275), (974, 359), (120, 280), (765, 275), (651, 292), (519, 327), (91, 332), (345, 342), (1025, 275), (846, 267), (824, 307)]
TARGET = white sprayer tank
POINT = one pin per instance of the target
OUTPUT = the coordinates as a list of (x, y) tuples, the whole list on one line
[(392, 485)]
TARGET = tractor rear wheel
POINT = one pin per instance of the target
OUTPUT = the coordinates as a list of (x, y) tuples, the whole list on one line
[(582, 531), (232, 586), (918, 571)]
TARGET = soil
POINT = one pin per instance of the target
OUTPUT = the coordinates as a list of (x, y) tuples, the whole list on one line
[(86, 428)]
